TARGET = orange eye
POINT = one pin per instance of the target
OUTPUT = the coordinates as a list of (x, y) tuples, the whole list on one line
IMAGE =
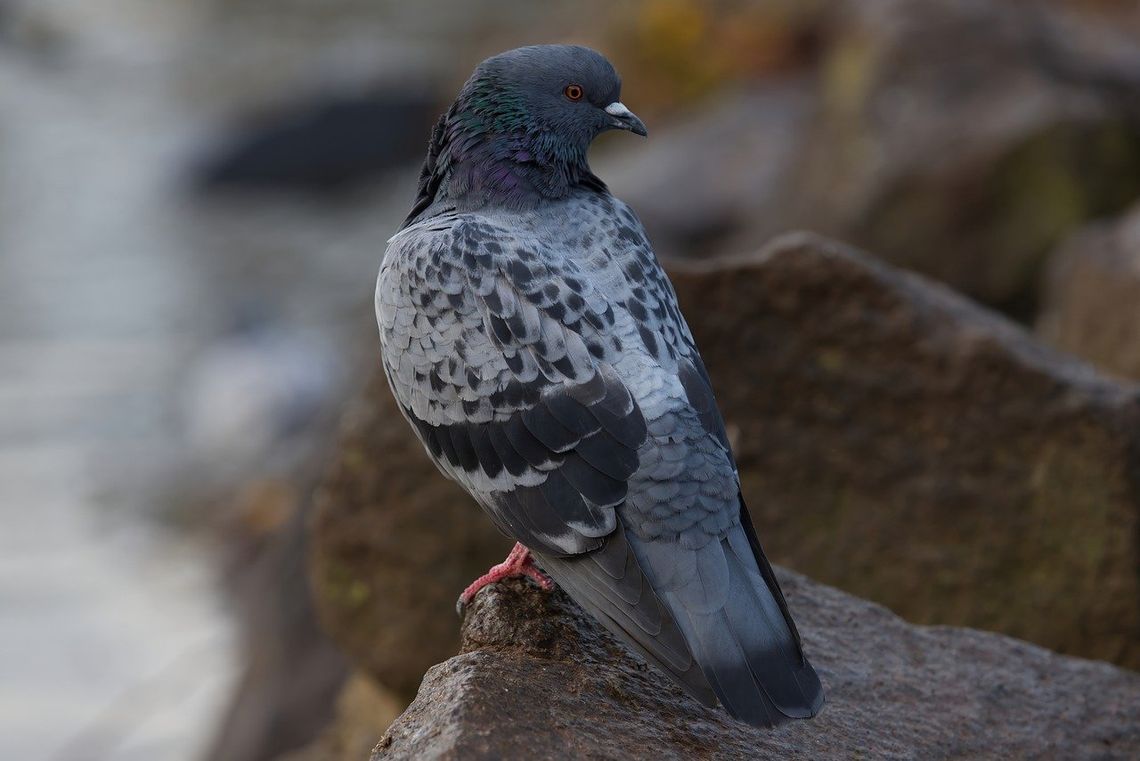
[(573, 92)]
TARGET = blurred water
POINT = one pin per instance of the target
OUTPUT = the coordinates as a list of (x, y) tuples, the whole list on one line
[(114, 642)]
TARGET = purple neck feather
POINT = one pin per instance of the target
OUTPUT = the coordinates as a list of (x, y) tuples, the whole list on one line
[(473, 165)]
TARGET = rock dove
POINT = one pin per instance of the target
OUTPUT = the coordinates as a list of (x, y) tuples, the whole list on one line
[(536, 347)]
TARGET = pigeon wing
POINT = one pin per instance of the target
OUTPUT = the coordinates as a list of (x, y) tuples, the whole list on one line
[(498, 363)]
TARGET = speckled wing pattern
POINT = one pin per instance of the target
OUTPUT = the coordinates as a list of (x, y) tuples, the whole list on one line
[(542, 360)]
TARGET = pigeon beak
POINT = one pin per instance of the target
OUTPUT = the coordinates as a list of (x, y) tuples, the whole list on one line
[(625, 119)]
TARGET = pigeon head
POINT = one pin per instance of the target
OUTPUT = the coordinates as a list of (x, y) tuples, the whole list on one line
[(562, 96), (520, 128)]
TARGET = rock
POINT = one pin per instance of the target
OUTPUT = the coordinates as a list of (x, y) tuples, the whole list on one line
[(913, 448), (538, 679), (1091, 305), (964, 139), (330, 143), (292, 671), (697, 183), (394, 545)]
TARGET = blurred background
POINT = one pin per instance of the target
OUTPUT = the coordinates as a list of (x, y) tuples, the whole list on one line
[(194, 199)]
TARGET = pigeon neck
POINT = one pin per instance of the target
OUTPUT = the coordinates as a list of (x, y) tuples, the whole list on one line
[(474, 162), (509, 171)]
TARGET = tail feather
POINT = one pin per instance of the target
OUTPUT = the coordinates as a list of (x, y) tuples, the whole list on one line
[(721, 654), (713, 617), (746, 646), (765, 567), (690, 677), (610, 585), (770, 644)]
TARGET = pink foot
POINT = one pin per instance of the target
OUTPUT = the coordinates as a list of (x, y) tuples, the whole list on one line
[(518, 563)]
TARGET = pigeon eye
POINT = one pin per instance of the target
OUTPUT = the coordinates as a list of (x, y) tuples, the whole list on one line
[(573, 92)]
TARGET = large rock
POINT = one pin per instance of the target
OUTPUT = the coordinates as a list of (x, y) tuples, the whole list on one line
[(911, 447), (1091, 305), (538, 679)]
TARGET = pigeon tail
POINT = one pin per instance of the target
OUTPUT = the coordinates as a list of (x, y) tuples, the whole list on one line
[(610, 585), (731, 611), (714, 619)]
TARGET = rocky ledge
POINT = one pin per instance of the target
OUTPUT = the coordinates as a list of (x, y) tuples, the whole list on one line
[(538, 679)]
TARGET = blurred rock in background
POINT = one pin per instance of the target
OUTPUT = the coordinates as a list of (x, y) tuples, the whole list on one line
[(959, 138), (325, 146), (1091, 302), (292, 674), (723, 169), (363, 712)]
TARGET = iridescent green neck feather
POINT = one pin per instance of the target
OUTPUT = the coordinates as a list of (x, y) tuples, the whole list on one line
[(511, 139)]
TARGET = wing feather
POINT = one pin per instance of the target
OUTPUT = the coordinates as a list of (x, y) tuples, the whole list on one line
[(501, 387)]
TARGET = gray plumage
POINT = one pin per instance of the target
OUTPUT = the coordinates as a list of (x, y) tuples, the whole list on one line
[(535, 345)]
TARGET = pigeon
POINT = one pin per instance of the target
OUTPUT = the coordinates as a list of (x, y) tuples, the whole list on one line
[(534, 343)]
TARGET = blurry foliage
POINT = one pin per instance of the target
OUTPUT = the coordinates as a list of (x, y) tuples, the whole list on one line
[(264, 505), (680, 51), (848, 73)]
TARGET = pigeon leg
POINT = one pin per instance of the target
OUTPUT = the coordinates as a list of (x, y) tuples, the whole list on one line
[(518, 563)]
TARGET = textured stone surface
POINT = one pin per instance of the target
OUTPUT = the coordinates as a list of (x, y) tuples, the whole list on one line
[(913, 448), (538, 679), (1091, 305)]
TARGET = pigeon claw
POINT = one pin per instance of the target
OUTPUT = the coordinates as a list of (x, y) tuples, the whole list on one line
[(518, 563)]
